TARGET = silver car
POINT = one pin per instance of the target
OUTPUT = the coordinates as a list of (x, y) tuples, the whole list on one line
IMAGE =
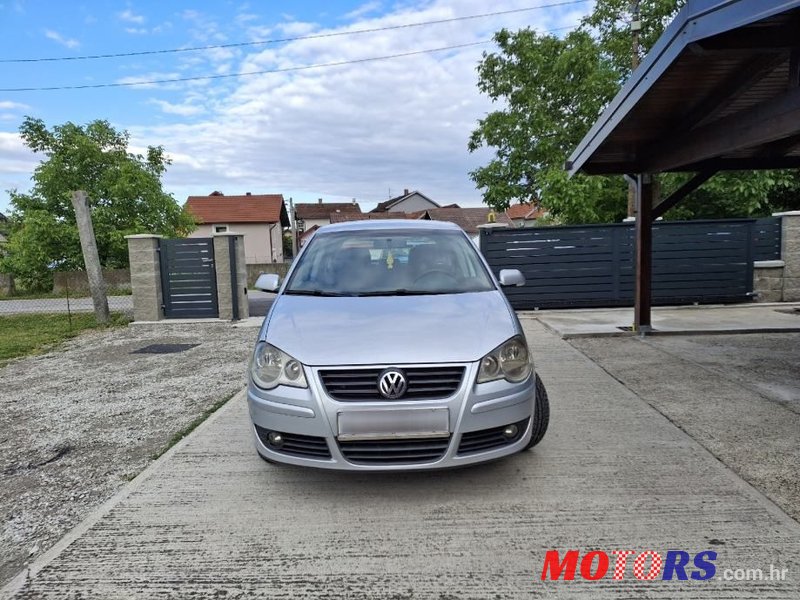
[(390, 346)]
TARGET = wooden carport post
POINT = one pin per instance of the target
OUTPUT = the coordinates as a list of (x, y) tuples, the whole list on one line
[(644, 253)]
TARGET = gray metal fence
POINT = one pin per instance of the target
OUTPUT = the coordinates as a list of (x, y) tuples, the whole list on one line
[(188, 278), (593, 265)]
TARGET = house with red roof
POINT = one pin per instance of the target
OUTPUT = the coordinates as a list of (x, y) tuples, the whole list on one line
[(319, 213), (525, 214), (261, 218)]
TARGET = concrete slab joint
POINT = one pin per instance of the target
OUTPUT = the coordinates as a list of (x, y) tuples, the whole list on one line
[(145, 276)]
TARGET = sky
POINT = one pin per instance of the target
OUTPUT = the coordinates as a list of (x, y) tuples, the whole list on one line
[(365, 130)]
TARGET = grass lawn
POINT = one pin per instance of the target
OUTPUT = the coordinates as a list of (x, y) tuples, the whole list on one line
[(21, 335)]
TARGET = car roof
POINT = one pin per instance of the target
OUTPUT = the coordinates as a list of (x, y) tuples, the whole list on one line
[(388, 224)]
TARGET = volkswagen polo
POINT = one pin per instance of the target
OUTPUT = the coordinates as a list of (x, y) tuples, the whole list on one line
[(390, 346)]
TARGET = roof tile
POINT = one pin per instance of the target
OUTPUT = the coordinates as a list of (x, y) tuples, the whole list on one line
[(255, 208)]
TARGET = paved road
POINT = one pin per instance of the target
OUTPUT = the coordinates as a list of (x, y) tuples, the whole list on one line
[(213, 520), (59, 305), (259, 304)]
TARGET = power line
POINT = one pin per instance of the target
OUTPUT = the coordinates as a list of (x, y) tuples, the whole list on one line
[(290, 39), (260, 72), (244, 74)]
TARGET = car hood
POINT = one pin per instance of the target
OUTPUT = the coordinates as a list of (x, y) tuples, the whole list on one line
[(321, 331)]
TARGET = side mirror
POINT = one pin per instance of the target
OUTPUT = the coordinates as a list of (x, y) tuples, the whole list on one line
[(268, 282), (509, 277)]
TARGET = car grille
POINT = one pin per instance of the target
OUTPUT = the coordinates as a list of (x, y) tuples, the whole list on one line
[(303, 446), (394, 452), (424, 383), (489, 439)]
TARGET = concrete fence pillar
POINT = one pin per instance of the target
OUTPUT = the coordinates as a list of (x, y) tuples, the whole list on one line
[(145, 277), (232, 305), (790, 253), (7, 287)]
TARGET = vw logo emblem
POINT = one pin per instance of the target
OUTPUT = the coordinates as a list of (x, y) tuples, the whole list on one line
[(392, 384)]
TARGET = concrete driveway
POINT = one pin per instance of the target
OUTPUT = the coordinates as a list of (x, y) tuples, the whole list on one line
[(210, 519)]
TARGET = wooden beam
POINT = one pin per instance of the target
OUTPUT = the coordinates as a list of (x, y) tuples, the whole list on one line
[(780, 148), (687, 188), (644, 254), (750, 73), (767, 122), (766, 39), (753, 163), (794, 68)]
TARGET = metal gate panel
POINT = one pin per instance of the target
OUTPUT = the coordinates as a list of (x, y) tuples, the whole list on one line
[(188, 278), (593, 265)]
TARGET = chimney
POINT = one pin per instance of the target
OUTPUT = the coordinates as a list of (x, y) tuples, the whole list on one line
[(248, 194), (319, 201), (354, 200), (405, 192)]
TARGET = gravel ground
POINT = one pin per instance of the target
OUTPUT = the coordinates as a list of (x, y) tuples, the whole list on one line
[(78, 422), (738, 395)]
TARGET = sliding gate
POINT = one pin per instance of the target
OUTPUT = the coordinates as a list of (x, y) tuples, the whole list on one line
[(593, 265)]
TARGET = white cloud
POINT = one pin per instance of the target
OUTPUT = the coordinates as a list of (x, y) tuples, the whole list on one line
[(296, 28), (145, 79), (342, 132), (136, 30), (165, 26), (57, 37), (184, 109), (363, 10), (9, 105), (244, 18), (128, 16), (17, 167)]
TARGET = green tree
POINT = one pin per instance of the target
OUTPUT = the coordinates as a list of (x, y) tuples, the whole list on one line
[(125, 192), (552, 90)]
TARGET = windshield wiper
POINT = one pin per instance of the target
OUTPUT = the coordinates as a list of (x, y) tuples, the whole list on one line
[(402, 292), (314, 293)]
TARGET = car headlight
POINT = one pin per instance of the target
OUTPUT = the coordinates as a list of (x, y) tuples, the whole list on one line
[(510, 361), (271, 367)]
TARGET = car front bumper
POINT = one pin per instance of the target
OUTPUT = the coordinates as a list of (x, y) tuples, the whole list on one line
[(307, 421)]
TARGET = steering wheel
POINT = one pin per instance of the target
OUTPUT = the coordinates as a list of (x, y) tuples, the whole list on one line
[(439, 275)]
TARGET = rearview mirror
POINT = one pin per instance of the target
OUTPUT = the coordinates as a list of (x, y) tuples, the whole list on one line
[(268, 282), (509, 277)]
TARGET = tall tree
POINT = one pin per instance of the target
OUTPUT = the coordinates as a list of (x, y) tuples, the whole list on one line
[(124, 189), (551, 90)]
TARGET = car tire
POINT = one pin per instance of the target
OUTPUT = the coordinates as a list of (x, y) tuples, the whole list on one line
[(541, 415)]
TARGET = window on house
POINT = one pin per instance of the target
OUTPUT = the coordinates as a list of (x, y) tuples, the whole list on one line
[(220, 229)]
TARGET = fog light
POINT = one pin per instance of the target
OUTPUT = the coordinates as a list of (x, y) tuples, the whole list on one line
[(275, 439), (511, 431)]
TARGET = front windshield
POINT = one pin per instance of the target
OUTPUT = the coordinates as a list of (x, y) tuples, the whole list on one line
[(389, 262)]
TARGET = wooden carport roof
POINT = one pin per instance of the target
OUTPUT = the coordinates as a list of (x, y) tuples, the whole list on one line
[(720, 90)]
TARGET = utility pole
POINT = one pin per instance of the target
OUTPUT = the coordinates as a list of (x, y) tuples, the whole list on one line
[(94, 272), (293, 223), (636, 28)]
